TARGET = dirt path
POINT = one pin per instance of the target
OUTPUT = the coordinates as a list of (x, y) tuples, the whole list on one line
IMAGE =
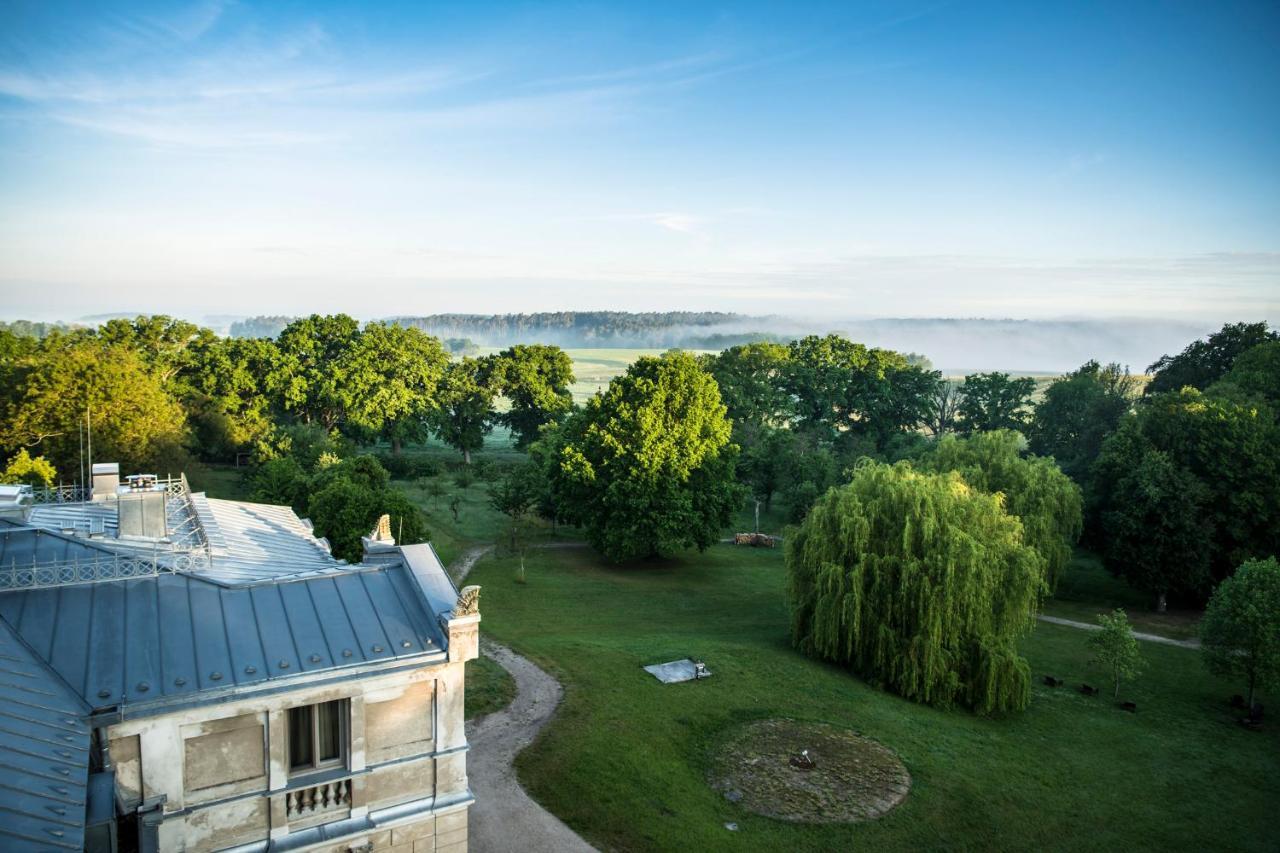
[(505, 818), (1151, 638)]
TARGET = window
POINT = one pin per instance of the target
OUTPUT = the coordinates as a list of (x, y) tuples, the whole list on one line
[(318, 736)]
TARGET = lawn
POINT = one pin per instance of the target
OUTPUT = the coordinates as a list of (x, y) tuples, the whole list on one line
[(624, 761), (489, 687), (1087, 589)]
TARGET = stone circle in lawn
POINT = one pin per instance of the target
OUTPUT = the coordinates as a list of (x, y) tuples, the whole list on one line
[(853, 778)]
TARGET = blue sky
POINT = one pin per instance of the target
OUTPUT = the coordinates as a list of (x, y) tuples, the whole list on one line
[(830, 160)]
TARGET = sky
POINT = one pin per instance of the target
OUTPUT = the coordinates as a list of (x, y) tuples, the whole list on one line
[(967, 159)]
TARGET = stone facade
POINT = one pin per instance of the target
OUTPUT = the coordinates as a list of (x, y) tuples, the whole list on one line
[(217, 776)]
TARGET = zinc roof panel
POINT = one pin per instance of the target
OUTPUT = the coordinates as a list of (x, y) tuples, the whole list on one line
[(176, 640), (143, 674), (363, 617), (247, 659), (304, 624), (210, 632)]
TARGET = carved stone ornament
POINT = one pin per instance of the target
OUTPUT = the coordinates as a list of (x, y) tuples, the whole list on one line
[(468, 602)]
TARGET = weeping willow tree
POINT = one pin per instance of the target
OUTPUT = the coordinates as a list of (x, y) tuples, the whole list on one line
[(920, 583), (1035, 490)]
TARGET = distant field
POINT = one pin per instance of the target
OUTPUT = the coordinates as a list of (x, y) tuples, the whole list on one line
[(594, 368)]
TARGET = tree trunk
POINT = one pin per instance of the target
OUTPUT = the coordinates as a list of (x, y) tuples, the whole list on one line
[(1162, 604), (1117, 680), (466, 457), (395, 445)]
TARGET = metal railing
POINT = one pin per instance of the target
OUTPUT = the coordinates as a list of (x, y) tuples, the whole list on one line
[(75, 493), (66, 573), (108, 567)]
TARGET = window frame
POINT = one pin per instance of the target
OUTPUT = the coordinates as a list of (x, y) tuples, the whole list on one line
[(344, 729)]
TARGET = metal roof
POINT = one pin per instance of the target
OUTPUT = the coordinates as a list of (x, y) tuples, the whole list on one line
[(145, 644), (235, 541), (44, 754)]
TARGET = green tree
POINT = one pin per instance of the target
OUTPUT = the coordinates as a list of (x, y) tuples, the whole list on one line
[(162, 342), (464, 412), (1204, 362), (1155, 529), (134, 420), (991, 401), (25, 469), (1240, 632), (535, 379), (1115, 648), (312, 380), (1229, 448), (1254, 376), (1077, 414), (647, 466), (226, 389), (392, 376), (751, 378), (1045, 500), (843, 389), (919, 583)]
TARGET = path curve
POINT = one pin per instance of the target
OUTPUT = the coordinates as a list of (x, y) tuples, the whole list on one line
[(504, 818), (1151, 638)]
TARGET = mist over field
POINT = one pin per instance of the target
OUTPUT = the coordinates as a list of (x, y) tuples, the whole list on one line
[(954, 345)]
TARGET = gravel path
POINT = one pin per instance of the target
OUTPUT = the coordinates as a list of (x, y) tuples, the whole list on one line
[(1151, 638), (504, 818)]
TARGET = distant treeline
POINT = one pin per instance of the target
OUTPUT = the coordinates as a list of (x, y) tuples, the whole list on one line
[(32, 329), (690, 329)]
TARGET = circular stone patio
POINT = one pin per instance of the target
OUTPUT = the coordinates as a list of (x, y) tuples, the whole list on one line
[(853, 778)]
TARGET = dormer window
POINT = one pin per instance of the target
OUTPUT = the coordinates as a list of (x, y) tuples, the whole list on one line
[(318, 737)]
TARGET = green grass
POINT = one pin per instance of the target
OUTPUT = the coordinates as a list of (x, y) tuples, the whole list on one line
[(1087, 589), (489, 687), (625, 758)]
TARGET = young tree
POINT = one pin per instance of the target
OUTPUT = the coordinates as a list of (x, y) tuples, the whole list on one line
[(1240, 632), (1115, 648), (647, 466), (917, 582), (1077, 414), (26, 470), (515, 495), (991, 401), (1044, 499), (1204, 362), (464, 412), (535, 379)]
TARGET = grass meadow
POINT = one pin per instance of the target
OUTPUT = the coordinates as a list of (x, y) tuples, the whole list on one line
[(625, 759)]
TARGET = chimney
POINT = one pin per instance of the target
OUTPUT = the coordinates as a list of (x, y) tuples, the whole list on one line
[(141, 508), (106, 479)]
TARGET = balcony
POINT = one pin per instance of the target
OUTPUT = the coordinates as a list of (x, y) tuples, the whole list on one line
[(318, 801)]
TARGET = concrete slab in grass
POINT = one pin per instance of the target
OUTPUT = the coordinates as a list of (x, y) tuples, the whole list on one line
[(673, 672)]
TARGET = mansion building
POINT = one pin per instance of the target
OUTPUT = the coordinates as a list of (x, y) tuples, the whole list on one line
[(180, 673)]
